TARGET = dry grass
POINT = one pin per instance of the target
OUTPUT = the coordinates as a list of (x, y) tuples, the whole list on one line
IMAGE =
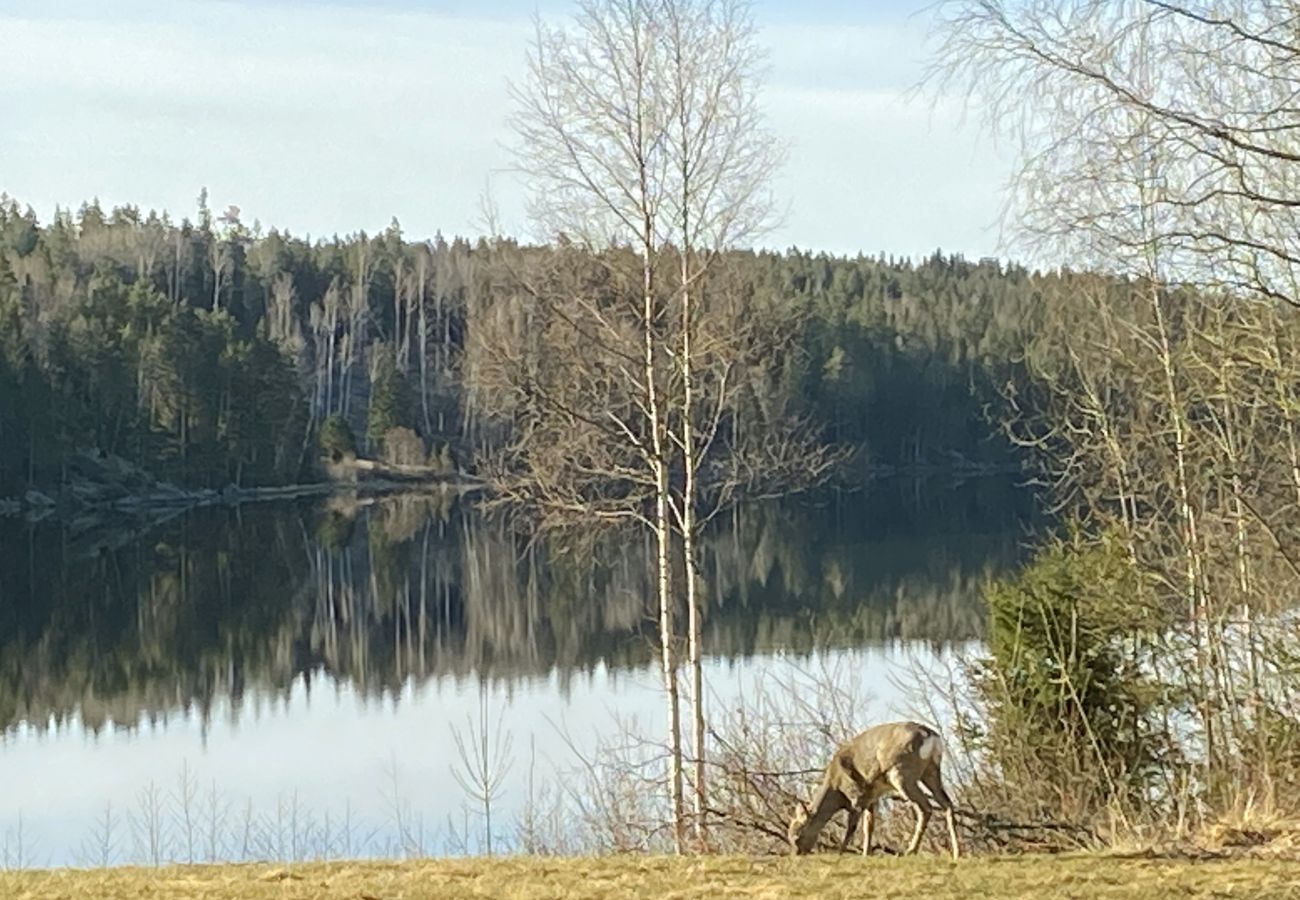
[(829, 875), (1257, 835)]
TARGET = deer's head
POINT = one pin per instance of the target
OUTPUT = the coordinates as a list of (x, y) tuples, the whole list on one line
[(799, 842)]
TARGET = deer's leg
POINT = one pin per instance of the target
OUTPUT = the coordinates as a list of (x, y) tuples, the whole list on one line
[(933, 781), (952, 832), (850, 827), (868, 825), (909, 788)]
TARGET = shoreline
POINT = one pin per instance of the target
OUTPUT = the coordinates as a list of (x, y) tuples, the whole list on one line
[(81, 495), (91, 528), (109, 487), (105, 492)]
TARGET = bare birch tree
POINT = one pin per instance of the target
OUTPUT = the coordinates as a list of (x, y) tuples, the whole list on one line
[(591, 125), (722, 159), (644, 148)]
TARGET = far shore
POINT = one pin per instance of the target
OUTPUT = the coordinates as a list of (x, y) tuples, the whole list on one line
[(105, 488)]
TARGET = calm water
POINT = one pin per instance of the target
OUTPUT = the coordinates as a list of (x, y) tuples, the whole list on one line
[(292, 675)]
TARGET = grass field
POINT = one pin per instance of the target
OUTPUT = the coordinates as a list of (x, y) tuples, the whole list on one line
[(928, 877)]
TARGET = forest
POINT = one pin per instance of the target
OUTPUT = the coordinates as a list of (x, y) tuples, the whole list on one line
[(209, 352)]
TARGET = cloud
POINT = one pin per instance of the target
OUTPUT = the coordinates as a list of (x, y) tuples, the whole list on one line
[(332, 117), (323, 121)]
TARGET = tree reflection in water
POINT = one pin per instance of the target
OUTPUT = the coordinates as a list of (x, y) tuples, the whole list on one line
[(120, 627)]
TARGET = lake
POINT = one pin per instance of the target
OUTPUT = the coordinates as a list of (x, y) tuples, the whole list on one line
[(290, 680)]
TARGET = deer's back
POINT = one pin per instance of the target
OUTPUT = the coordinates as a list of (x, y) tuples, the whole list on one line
[(910, 746)]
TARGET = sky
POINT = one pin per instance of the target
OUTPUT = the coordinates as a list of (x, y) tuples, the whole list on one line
[(332, 116)]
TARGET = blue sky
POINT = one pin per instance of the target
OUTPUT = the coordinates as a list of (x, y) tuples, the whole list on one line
[(326, 116)]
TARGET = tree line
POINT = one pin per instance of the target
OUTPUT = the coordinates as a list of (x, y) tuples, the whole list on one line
[(210, 353)]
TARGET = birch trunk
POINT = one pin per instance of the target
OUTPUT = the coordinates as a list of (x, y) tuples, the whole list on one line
[(423, 325), (663, 539)]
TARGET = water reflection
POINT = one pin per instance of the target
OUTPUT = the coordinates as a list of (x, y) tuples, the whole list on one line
[(121, 627), (313, 773), (298, 667)]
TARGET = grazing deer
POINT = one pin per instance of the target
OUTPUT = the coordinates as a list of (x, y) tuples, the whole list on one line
[(894, 758)]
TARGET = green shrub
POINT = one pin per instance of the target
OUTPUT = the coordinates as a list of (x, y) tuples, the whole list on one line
[(336, 439), (390, 399), (1073, 718)]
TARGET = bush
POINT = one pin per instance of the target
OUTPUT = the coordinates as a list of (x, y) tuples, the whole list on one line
[(1072, 720), (403, 447), (390, 398), (336, 439)]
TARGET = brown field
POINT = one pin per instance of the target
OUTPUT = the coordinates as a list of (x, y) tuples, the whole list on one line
[(829, 875)]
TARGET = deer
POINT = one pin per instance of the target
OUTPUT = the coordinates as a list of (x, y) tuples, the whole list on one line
[(895, 758)]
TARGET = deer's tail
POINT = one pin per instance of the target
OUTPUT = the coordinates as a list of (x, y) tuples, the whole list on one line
[(931, 749)]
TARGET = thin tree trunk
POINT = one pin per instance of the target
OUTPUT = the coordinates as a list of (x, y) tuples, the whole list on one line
[(1232, 451), (174, 292), (218, 267), (693, 612), (424, 347), (329, 371), (667, 639), (399, 302), (1187, 515), (663, 537)]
